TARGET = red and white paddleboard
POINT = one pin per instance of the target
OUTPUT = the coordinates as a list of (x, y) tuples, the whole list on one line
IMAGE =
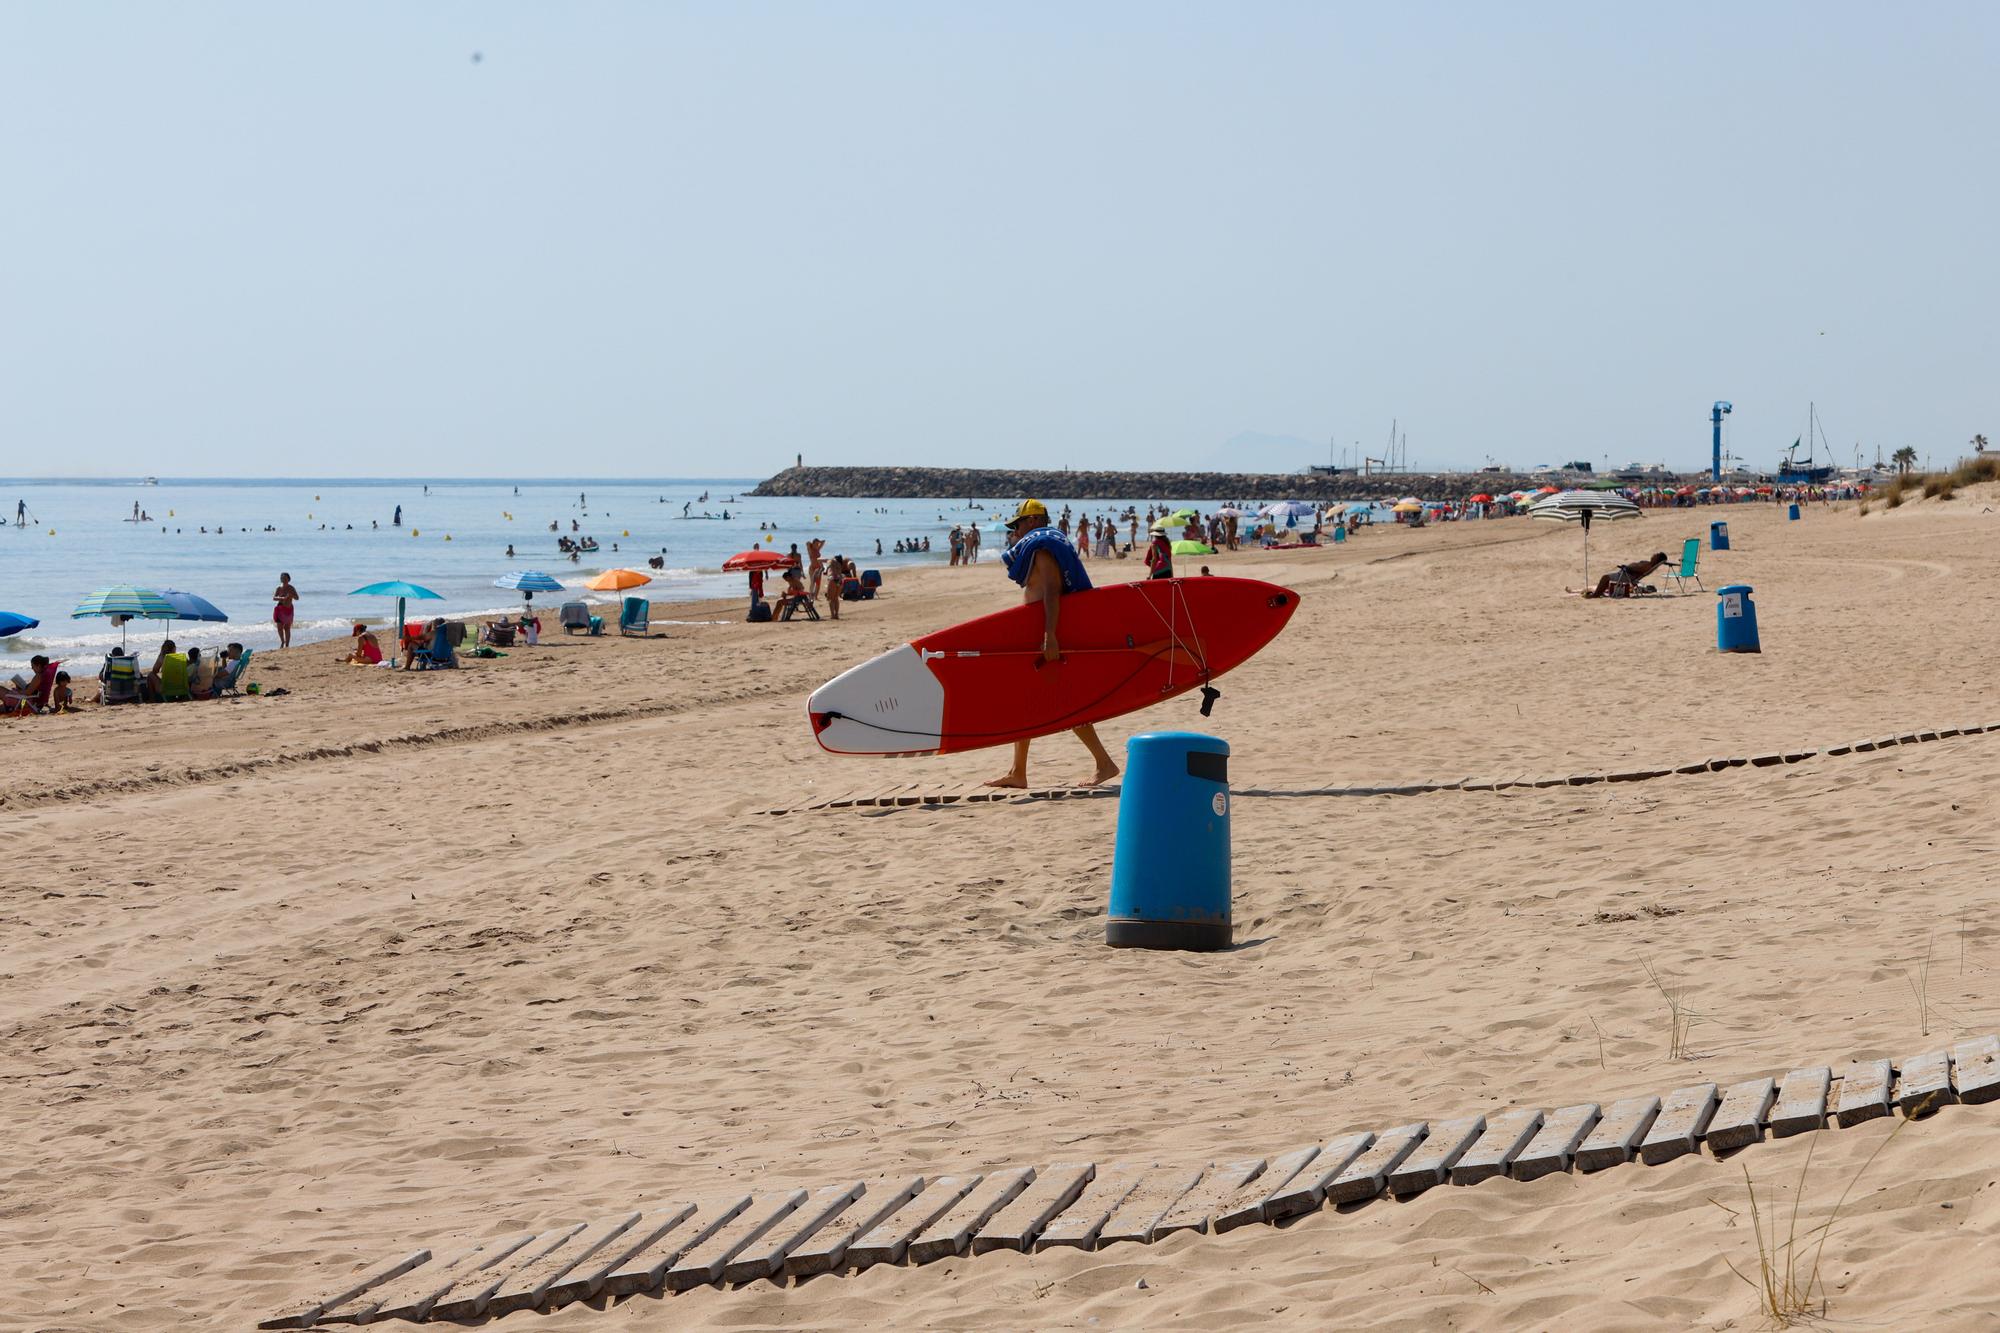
[(983, 683)]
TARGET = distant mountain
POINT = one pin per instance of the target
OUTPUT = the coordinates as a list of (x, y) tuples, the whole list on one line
[(1257, 451)]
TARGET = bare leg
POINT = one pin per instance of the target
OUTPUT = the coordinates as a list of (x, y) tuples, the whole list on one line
[(1106, 769), (1017, 776)]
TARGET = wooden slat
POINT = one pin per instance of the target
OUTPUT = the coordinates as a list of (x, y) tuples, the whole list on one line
[(952, 1232), (1864, 1092), (1683, 1118), (348, 1288), (1205, 1200), (469, 1298), (1016, 1226), (1975, 1071), (1739, 1118), (1247, 1204), (646, 1269), (1142, 1209), (1077, 1225), (704, 1263), (1506, 1135), (1552, 1148), (1363, 1177), (1427, 1165), (887, 1241), (827, 1248), (1925, 1083), (1617, 1134), (1801, 1102), (526, 1287), (585, 1280), (767, 1255), (412, 1295), (1307, 1189)]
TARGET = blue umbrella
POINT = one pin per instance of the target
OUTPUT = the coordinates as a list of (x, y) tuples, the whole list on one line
[(402, 592), (12, 622), (528, 582), (188, 606)]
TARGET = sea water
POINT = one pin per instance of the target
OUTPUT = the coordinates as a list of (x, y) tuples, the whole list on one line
[(228, 540)]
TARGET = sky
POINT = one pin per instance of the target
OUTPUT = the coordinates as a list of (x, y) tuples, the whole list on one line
[(660, 239)]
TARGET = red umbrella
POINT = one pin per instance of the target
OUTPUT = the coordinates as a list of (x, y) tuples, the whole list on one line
[(1547, 490), (1481, 499), (758, 559)]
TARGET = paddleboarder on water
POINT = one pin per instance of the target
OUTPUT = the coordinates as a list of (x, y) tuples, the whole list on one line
[(1042, 561)]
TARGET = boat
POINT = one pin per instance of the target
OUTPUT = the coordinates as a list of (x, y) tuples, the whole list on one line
[(149, 481), (1794, 471)]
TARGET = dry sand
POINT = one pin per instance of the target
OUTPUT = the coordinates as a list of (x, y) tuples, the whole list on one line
[(294, 983)]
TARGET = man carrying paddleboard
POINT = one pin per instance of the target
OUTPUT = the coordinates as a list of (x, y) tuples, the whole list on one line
[(1043, 562)]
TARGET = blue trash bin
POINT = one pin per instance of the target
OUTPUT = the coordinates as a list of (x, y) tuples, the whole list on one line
[(1170, 872), (1735, 620), (1792, 514), (1718, 536)]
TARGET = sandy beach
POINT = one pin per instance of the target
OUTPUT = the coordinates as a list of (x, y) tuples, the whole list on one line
[(295, 983)]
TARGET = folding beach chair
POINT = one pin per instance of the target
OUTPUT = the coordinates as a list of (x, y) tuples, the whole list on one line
[(632, 619), (1690, 552), (798, 602), (575, 618), (437, 653)]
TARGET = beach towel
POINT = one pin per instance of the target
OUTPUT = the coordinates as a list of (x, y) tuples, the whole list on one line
[(1019, 557), (173, 677)]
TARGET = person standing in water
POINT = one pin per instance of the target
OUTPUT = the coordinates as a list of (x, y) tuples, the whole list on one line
[(1042, 561), (281, 614)]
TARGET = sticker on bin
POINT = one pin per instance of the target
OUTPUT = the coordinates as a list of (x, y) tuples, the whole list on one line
[(1220, 802), (1732, 606)]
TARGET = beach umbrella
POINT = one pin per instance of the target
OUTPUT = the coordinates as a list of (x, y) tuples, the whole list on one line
[(1585, 507), (188, 606), (528, 582), (1231, 511), (1193, 548), (1481, 499), (123, 602), (402, 592), (618, 580), (12, 622), (1409, 506), (1287, 509), (748, 560)]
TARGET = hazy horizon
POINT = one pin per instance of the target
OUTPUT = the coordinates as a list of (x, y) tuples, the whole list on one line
[(524, 240)]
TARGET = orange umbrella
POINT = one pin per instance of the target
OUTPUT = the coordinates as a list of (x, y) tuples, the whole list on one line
[(743, 560), (618, 580), (1481, 499)]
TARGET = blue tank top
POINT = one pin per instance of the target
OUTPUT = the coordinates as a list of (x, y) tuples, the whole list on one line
[(1020, 557)]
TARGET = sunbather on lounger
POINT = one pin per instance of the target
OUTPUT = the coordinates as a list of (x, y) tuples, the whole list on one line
[(1627, 580)]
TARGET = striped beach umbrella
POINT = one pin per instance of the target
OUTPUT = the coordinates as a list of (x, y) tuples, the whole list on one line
[(528, 582), (1585, 507), (123, 602)]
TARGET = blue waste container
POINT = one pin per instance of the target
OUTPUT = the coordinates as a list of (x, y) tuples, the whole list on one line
[(1735, 620), (1170, 872), (1792, 514), (1718, 536)]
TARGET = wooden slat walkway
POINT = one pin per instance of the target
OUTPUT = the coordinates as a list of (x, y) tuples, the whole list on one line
[(923, 794), (794, 1235)]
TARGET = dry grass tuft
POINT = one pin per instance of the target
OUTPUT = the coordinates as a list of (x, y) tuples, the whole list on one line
[(1679, 1017), (1788, 1283)]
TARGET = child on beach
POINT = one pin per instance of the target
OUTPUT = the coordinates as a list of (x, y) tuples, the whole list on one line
[(61, 700)]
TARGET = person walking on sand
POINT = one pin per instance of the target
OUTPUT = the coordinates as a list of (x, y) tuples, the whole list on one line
[(1160, 555), (281, 614), (1042, 561)]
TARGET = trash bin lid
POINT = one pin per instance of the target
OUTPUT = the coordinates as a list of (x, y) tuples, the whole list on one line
[(1734, 587)]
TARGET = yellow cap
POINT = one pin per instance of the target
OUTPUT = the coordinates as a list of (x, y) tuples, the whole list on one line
[(1028, 509)]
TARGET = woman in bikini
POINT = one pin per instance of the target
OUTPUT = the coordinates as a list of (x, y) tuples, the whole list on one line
[(281, 614)]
